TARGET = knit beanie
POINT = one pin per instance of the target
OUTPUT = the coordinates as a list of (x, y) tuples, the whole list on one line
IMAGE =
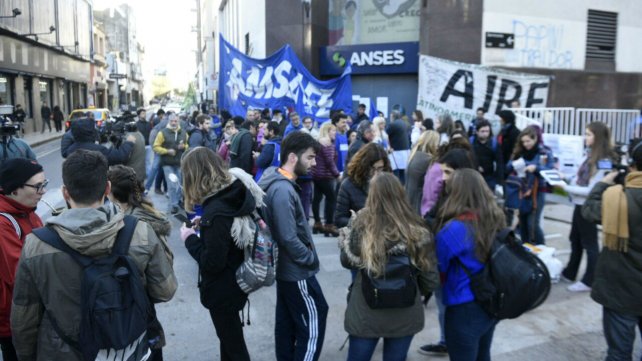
[(14, 173)]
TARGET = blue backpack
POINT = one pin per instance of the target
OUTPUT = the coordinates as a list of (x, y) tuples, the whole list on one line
[(114, 306)]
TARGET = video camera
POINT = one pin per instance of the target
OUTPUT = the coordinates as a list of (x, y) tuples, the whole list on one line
[(115, 132)]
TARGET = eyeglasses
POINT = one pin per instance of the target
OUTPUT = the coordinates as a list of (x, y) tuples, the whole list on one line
[(39, 187)]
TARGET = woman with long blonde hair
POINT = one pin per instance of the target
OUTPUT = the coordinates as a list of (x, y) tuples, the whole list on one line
[(386, 227), (229, 199), (468, 222), (421, 156)]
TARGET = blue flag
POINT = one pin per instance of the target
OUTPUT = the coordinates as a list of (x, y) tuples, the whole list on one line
[(373, 111), (277, 82)]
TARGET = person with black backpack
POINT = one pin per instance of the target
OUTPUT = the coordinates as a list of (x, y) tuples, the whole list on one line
[(467, 223), (389, 245), (63, 308), (229, 199)]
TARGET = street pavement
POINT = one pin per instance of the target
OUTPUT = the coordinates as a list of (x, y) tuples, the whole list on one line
[(566, 327)]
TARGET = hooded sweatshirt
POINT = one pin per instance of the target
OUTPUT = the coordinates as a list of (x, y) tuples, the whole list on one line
[(284, 215), (49, 279)]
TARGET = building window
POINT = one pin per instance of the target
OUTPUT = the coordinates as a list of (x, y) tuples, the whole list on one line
[(601, 37)]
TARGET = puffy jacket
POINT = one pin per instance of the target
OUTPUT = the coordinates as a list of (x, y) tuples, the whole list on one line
[(326, 167), (49, 279), (618, 275), (11, 246), (84, 135), (362, 321), (350, 197), (283, 211)]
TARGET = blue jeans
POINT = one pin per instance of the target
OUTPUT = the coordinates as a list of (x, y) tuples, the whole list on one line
[(529, 227), (469, 332), (441, 316), (394, 349), (619, 331), (156, 171), (173, 188), (149, 159)]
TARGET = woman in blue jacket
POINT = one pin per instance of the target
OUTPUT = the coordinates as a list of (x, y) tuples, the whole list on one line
[(469, 220), (530, 156)]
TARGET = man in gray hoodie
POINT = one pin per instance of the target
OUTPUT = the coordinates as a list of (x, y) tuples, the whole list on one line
[(301, 308)]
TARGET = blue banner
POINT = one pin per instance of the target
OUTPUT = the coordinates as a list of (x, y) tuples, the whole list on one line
[(279, 81)]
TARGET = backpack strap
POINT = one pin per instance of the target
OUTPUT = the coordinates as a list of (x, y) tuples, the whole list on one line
[(13, 221), (124, 237), (52, 238)]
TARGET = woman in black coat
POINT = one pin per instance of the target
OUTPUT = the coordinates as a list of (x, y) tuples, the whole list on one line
[(228, 198)]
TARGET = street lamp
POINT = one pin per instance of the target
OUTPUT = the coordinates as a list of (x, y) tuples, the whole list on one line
[(35, 35), (15, 12)]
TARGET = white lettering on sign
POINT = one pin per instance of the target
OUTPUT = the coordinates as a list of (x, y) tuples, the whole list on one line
[(377, 57), (278, 82)]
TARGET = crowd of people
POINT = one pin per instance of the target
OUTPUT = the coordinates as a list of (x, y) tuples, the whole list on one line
[(413, 201)]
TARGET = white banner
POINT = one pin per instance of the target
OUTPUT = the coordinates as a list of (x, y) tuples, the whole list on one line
[(459, 89)]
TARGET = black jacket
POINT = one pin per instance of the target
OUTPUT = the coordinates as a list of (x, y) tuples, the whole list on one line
[(358, 143), (489, 158), (217, 255), (144, 127), (84, 136), (507, 138), (351, 197), (398, 135), (618, 275)]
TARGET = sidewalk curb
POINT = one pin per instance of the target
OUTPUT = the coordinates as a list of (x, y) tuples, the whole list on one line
[(44, 141)]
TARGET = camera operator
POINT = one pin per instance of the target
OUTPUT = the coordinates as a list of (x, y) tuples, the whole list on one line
[(126, 126), (19, 116), (618, 275), (84, 135), (11, 147)]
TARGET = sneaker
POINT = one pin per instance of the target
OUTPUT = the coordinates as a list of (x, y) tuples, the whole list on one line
[(434, 349), (579, 287), (565, 280), (158, 191)]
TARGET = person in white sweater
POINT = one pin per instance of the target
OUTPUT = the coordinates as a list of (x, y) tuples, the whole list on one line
[(600, 158)]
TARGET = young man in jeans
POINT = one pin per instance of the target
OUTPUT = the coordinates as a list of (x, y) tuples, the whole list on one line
[(301, 308)]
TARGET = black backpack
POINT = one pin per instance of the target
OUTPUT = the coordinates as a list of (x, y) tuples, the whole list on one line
[(513, 280), (396, 288), (115, 309)]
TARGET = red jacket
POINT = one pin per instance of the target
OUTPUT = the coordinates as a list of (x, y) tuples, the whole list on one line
[(10, 248)]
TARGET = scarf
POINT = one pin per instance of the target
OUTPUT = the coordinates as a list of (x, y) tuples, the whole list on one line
[(615, 214), (584, 174), (236, 141), (529, 155)]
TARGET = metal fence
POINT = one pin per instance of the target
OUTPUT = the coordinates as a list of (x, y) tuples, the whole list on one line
[(624, 123)]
